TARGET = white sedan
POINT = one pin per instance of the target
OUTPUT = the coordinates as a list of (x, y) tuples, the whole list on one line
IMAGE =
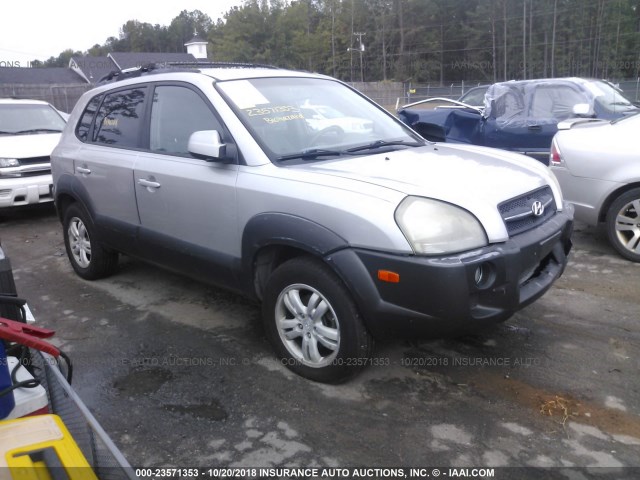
[(598, 166)]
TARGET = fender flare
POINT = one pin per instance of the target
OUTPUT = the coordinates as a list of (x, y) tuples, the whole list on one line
[(68, 185), (282, 229)]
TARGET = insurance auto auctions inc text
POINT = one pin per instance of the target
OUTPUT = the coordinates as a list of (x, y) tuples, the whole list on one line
[(369, 473)]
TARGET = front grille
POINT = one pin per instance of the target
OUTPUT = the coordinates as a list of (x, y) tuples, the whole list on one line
[(29, 167), (35, 173), (518, 213), (34, 160)]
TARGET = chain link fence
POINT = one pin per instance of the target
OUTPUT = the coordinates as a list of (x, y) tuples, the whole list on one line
[(388, 94), (63, 97)]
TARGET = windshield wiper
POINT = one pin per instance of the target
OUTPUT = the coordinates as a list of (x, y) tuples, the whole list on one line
[(385, 143), (35, 130), (312, 154)]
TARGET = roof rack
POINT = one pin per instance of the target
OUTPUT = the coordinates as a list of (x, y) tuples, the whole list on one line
[(165, 67), (207, 64), (117, 75)]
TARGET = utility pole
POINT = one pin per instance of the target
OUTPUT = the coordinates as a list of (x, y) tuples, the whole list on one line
[(361, 50), (524, 40)]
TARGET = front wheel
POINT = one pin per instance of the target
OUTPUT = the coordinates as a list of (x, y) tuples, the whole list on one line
[(313, 323), (89, 259), (623, 224)]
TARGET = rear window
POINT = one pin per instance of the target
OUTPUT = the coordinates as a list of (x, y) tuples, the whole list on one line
[(82, 130)]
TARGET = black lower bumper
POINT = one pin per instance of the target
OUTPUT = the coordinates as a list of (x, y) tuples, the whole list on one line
[(457, 294)]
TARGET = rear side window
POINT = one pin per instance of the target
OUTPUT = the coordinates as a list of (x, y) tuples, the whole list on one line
[(119, 120), (82, 130), (176, 113)]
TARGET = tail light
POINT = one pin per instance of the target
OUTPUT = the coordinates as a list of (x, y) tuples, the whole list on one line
[(554, 156)]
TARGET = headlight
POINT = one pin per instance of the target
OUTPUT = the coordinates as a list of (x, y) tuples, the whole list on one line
[(8, 167), (434, 227), (9, 162)]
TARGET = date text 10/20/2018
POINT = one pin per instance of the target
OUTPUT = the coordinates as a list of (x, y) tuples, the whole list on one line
[(321, 473)]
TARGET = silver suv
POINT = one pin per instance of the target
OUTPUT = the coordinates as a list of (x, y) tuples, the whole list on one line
[(346, 228)]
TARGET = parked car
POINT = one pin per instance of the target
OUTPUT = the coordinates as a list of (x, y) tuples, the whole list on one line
[(29, 129), (343, 237), (598, 167), (520, 116)]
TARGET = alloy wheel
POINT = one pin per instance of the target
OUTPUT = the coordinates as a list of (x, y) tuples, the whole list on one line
[(79, 242), (307, 325)]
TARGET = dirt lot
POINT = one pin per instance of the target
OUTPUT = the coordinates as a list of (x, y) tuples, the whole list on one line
[(179, 374)]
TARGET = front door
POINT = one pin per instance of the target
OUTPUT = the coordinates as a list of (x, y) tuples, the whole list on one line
[(186, 205)]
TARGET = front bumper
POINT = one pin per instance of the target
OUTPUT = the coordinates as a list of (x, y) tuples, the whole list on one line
[(16, 192), (444, 296)]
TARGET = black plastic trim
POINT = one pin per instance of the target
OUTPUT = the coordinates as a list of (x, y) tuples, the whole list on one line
[(438, 296), (282, 229)]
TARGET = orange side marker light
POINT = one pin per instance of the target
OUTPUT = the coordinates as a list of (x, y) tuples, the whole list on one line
[(388, 276)]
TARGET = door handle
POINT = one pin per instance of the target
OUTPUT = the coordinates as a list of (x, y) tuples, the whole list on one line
[(150, 184), (535, 127), (83, 170)]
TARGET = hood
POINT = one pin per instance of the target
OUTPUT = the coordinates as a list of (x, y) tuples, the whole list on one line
[(474, 178), (28, 146)]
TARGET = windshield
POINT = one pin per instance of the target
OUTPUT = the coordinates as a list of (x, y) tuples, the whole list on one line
[(610, 98), (25, 119), (313, 119), (474, 97)]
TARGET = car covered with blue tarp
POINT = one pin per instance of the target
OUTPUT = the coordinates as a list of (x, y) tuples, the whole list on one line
[(520, 116)]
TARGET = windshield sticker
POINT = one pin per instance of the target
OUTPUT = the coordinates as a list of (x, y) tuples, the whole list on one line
[(273, 114), (257, 112), (243, 94), (284, 118)]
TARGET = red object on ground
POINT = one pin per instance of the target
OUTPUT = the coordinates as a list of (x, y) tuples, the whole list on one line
[(28, 335)]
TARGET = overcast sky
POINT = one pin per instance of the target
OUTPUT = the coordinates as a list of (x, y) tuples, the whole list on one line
[(40, 29)]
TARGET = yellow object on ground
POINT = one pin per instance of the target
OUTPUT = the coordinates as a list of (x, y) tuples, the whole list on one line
[(41, 448)]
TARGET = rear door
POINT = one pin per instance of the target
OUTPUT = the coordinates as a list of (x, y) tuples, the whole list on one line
[(187, 205), (104, 165)]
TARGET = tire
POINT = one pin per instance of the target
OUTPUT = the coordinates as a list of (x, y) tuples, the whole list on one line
[(88, 257), (623, 224), (330, 348)]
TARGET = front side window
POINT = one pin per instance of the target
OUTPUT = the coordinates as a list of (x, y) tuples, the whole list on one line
[(119, 120), (176, 113), (556, 101)]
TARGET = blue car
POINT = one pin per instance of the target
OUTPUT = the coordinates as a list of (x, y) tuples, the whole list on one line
[(521, 116)]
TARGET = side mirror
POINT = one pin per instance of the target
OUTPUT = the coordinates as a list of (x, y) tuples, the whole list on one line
[(582, 110), (208, 145)]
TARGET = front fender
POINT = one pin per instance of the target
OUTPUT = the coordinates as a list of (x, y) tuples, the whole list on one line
[(285, 230), (290, 230)]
